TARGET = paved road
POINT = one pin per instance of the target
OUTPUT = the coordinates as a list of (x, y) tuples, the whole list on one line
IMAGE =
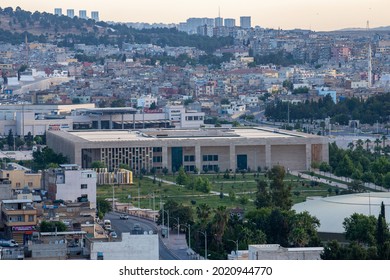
[(127, 226)]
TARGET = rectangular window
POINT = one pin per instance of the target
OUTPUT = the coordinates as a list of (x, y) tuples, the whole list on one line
[(189, 158), (209, 158), (30, 184), (215, 157), (157, 159), (189, 168), (84, 186), (157, 149), (205, 158), (20, 218), (31, 218)]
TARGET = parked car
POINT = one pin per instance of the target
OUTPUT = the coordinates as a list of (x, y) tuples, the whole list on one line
[(124, 217), (113, 234), (8, 243)]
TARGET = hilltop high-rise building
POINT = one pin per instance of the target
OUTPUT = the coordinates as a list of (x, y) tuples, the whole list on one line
[(230, 22), (58, 12), (95, 15), (218, 22), (70, 13), (83, 14), (245, 22)]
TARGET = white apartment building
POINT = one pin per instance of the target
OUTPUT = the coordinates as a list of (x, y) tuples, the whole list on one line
[(71, 183), (181, 118), (146, 101)]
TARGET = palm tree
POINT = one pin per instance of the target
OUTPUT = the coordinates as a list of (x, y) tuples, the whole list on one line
[(203, 212), (377, 147), (351, 145), (377, 142), (367, 142), (359, 143), (384, 138), (220, 221)]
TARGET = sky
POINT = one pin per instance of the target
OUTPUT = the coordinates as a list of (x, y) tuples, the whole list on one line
[(318, 15)]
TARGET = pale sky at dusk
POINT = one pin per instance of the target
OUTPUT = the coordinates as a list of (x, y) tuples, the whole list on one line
[(287, 14)]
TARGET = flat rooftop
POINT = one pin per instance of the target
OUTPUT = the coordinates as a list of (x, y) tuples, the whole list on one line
[(331, 211), (127, 135)]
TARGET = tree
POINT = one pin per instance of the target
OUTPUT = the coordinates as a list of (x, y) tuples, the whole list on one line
[(263, 196), (29, 140), (98, 164), (333, 251), (176, 210), (377, 142), (384, 138), (280, 193), (325, 167), (220, 220), (368, 141), (360, 228), (46, 156), (382, 235), (118, 103), (203, 212), (279, 227), (19, 142), (182, 177), (10, 140), (357, 186), (103, 207), (386, 180), (359, 144), (345, 167), (304, 230), (46, 226)]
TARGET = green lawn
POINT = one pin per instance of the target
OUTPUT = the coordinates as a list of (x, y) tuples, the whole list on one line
[(242, 187)]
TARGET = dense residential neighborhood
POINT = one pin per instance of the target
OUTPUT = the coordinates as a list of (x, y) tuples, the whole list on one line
[(197, 140)]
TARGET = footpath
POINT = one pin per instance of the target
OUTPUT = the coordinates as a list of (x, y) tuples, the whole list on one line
[(333, 183)]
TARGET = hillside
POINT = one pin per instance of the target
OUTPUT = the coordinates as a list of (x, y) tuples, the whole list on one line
[(65, 31)]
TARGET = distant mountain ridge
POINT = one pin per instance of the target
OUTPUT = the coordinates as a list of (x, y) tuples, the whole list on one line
[(380, 28)]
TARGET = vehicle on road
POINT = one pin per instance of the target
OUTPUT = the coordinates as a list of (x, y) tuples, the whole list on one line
[(113, 234), (107, 224), (124, 217), (8, 243), (137, 227)]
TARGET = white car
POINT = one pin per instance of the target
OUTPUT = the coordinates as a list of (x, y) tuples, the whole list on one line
[(113, 234), (124, 217)]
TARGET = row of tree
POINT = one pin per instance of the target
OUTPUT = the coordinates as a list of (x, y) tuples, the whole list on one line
[(375, 108), (360, 163)]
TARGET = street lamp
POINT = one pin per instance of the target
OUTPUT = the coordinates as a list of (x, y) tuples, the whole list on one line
[(236, 242), (205, 243), (178, 224), (189, 234), (167, 211)]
